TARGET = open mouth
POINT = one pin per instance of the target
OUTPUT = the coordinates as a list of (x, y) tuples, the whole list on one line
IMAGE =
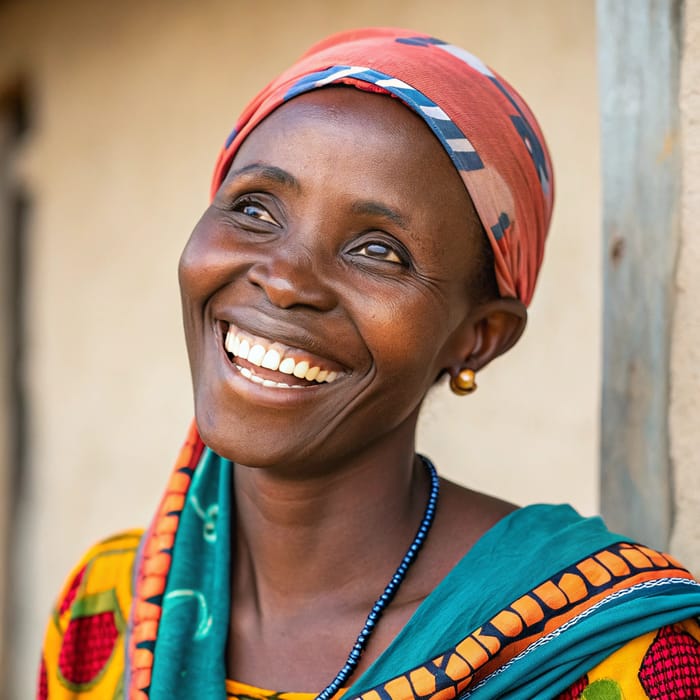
[(271, 364)]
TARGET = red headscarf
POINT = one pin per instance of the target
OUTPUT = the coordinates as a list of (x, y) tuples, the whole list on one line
[(486, 128)]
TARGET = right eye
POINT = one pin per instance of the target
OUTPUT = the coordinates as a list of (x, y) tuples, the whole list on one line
[(248, 206)]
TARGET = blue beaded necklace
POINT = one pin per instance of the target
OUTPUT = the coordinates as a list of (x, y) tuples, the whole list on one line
[(390, 591)]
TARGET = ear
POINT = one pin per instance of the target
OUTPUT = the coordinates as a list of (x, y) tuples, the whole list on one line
[(490, 330)]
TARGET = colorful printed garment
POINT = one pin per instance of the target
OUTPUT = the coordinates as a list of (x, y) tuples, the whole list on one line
[(243, 691), (546, 604)]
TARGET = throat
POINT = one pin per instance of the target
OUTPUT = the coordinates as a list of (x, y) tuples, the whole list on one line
[(308, 649), (262, 601)]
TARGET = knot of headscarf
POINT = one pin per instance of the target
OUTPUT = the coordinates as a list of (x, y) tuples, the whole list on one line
[(486, 128)]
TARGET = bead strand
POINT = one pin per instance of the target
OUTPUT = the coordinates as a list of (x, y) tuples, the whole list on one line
[(390, 591)]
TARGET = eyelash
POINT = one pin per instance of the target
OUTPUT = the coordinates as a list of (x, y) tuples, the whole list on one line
[(403, 259), (246, 201)]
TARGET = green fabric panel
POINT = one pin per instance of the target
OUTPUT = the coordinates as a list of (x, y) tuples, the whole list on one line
[(190, 652), (603, 689)]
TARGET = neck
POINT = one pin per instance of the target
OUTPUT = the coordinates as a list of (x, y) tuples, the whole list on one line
[(335, 537)]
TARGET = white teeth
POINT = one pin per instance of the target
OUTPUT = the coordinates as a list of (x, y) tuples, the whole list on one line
[(301, 369), (265, 382), (256, 355), (271, 360), (243, 350), (287, 366)]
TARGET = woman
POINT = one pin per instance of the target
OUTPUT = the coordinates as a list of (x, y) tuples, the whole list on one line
[(377, 222)]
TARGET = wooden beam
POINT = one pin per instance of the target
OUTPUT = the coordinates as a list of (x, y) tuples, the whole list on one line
[(639, 69)]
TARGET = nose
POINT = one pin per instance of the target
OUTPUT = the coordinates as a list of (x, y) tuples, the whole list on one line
[(290, 278)]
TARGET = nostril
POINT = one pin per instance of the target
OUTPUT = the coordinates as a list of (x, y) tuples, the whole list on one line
[(280, 288), (291, 282)]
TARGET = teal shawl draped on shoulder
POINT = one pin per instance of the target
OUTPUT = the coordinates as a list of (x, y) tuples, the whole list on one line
[(542, 597)]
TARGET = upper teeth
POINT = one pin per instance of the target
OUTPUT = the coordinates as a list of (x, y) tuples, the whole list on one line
[(258, 354)]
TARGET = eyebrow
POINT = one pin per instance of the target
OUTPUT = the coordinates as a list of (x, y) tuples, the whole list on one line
[(365, 207), (371, 208), (268, 172)]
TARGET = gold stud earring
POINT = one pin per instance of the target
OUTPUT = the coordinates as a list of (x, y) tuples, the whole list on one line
[(464, 382)]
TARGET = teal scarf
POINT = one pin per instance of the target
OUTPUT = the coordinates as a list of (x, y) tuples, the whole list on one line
[(533, 545), (190, 657)]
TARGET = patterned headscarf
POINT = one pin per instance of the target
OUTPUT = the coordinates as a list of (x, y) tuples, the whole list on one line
[(486, 128)]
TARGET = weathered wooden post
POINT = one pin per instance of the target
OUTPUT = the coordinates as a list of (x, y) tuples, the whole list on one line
[(639, 68)]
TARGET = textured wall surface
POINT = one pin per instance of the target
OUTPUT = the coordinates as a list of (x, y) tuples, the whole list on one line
[(685, 368), (131, 103)]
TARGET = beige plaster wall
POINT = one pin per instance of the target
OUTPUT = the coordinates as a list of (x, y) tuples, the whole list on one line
[(685, 362), (132, 101)]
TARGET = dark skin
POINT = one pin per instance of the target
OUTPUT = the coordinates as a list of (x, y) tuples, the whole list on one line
[(342, 230)]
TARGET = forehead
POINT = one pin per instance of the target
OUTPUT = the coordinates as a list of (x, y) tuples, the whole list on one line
[(356, 143)]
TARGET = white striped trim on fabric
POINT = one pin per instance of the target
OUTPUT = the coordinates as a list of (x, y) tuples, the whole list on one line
[(340, 74), (435, 113), (460, 145), (469, 58), (395, 83), (575, 620)]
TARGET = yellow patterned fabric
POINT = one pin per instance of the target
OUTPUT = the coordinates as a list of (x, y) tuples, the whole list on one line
[(83, 655), (242, 691), (664, 664)]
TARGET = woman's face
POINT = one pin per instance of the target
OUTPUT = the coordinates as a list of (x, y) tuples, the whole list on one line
[(339, 248)]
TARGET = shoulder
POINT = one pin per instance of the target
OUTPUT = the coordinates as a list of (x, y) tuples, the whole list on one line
[(101, 564), (464, 516), (83, 650)]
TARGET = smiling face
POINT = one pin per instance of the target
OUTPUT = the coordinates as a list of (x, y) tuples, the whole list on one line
[(328, 284)]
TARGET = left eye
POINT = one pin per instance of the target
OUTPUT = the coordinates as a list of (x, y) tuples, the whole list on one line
[(255, 210), (380, 251)]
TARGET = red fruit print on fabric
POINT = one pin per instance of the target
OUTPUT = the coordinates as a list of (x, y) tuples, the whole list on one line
[(671, 667), (87, 646), (574, 691), (72, 591), (42, 692)]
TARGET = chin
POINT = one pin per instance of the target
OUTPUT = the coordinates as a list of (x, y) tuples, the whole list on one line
[(243, 444)]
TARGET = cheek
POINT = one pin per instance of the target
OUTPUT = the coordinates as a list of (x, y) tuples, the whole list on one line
[(201, 272), (408, 332), (205, 263), (193, 260)]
